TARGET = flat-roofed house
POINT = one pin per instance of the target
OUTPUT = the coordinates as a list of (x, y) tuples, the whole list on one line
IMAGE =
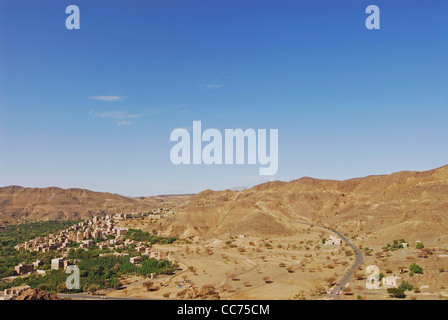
[(135, 260), (24, 268), (57, 263), (333, 240), (391, 281)]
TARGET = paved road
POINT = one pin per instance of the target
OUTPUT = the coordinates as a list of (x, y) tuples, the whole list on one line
[(358, 260)]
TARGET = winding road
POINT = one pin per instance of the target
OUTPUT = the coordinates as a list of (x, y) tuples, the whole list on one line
[(358, 260)]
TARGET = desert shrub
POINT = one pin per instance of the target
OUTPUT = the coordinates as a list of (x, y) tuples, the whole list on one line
[(149, 285), (208, 289), (330, 281), (396, 292), (181, 294), (415, 268), (348, 291), (406, 286), (267, 280)]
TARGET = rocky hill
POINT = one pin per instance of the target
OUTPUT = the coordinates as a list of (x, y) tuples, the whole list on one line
[(56, 203), (35, 294), (403, 203)]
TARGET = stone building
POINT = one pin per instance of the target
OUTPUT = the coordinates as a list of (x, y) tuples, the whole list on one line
[(24, 268), (57, 263)]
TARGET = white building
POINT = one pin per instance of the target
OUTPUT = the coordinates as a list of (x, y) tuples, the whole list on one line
[(57, 263), (333, 240), (391, 281)]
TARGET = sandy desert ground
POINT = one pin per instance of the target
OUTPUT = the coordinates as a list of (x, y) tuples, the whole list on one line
[(248, 267)]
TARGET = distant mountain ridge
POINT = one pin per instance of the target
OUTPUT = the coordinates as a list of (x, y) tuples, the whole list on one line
[(56, 203), (407, 203), (239, 189)]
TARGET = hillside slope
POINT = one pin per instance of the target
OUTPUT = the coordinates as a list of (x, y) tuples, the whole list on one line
[(413, 203), (56, 203)]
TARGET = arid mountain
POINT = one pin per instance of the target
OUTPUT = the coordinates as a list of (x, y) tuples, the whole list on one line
[(411, 204), (56, 203), (239, 188), (414, 204)]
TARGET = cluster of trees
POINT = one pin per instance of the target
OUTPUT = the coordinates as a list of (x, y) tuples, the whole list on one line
[(20, 233), (53, 281), (106, 271), (102, 272), (139, 235), (16, 234), (9, 258), (415, 268), (95, 272), (400, 292), (397, 244)]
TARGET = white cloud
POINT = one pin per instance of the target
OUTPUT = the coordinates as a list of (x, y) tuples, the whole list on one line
[(123, 122), (122, 118), (116, 115), (211, 86), (106, 98)]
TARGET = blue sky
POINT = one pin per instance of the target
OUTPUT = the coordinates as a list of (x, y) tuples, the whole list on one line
[(347, 101)]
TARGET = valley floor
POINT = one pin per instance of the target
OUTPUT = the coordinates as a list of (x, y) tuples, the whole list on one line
[(249, 267)]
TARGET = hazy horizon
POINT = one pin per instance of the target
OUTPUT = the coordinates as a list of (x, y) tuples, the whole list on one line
[(229, 188)]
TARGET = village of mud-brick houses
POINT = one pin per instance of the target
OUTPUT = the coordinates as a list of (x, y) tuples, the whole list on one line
[(99, 228)]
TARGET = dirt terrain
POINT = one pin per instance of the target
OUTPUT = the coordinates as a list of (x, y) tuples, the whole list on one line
[(248, 267)]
